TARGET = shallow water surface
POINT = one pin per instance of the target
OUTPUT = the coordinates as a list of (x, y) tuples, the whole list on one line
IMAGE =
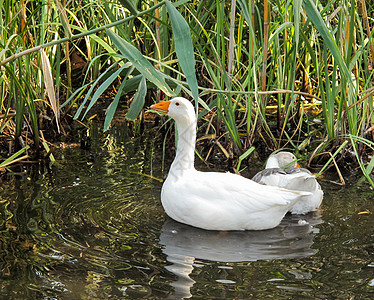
[(94, 228)]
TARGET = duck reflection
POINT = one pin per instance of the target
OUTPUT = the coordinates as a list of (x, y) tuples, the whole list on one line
[(182, 244)]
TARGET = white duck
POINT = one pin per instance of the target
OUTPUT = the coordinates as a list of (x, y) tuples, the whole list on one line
[(282, 170), (211, 200)]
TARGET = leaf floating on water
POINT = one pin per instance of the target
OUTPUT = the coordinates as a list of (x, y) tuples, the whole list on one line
[(364, 212), (149, 176)]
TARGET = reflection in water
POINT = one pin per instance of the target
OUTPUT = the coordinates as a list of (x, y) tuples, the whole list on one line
[(182, 244), (95, 230), (83, 230)]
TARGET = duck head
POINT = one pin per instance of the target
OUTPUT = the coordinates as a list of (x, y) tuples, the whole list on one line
[(179, 108), (282, 160)]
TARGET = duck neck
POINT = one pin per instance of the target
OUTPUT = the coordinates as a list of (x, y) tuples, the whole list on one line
[(185, 154)]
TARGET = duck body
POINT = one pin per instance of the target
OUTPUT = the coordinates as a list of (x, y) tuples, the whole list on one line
[(212, 200), (282, 170), (224, 201)]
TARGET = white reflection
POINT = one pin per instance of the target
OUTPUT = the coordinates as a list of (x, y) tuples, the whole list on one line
[(182, 244)]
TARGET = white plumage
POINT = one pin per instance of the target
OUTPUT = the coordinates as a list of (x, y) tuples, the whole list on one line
[(211, 200), (282, 170)]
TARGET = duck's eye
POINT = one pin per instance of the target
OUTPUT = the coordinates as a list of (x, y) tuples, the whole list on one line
[(177, 103)]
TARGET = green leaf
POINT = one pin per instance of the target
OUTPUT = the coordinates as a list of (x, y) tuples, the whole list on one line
[(243, 156), (78, 92), (184, 48), (138, 101), (97, 39), (140, 63), (113, 106), (281, 28), (129, 4), (297, 13), (102, 88), (15, 157), (64, 19), (316, 18), (89, 92)]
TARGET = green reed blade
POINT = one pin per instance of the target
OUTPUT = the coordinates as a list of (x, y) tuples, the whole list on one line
[(130, 5), (15, 157), (184, 48), (64, 19), (140, 62), (316, 18), (297, 5), (242, 157), (329, 107), (113, 106), (78, 93), (101, 41), (101, 89), (89, 92), (138, 101), (332, 157), (361, 164)]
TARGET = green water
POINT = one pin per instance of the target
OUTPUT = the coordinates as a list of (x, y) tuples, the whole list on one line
[(94, 228)]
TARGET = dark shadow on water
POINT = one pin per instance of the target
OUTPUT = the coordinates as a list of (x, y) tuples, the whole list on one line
[(184, 244)]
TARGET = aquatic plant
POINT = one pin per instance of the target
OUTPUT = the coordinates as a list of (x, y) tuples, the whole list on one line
[(282, 74)]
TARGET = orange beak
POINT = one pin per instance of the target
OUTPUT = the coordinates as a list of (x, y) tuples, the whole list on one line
[(297, 165), (161, 107)]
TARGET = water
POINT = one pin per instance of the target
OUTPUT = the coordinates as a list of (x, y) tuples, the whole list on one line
[(94, 228)]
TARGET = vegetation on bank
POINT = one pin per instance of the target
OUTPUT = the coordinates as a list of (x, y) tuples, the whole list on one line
[(272, 74)]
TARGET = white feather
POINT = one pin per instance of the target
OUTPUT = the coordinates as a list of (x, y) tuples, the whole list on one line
[(216, 201), (292, 178)]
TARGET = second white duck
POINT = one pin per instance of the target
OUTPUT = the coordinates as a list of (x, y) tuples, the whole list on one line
[(211, 200), (282, 170)]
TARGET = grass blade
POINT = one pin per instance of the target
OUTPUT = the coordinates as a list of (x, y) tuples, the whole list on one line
[(138, 101), (113, 106), (14, 158), (316, 18), (130, 6), (184, 48), (89, 92), (140, 62), (102, 88), (244, 156), (64, 19)]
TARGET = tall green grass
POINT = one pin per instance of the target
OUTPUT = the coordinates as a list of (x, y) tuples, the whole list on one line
[(34, 84), (266, 69)]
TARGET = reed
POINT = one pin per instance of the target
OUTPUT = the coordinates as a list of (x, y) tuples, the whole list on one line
[(267, 70)]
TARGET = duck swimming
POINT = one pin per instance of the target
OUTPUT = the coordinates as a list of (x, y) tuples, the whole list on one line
[(213, 200), (282, 170)]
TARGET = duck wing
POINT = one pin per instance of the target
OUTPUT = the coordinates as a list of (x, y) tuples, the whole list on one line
[(223, 187), (270, 176), (298, 179)]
